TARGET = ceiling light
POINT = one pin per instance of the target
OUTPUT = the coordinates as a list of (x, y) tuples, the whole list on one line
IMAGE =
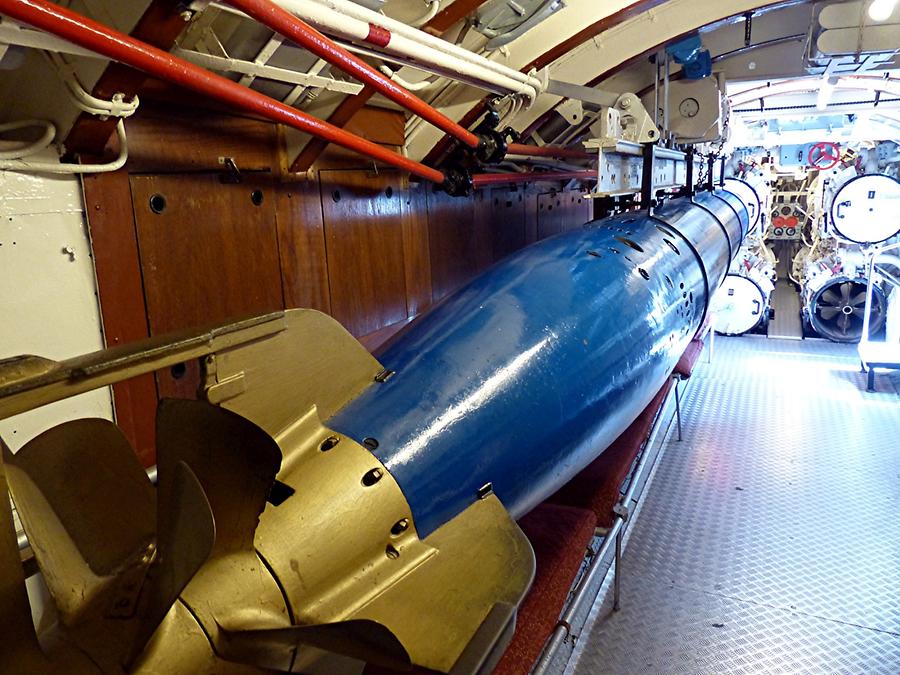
[(881, 10)]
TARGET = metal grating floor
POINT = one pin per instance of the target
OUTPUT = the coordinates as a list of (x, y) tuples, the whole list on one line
[(785, 301), (769, 541)]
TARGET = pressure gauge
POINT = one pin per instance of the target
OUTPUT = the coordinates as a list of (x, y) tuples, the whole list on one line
[(689, 107)]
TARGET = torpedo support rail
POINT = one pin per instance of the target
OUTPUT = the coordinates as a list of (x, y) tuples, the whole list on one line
[(585, 592), (620, 168)]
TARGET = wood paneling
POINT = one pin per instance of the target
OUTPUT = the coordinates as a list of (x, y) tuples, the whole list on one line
[(416, 254), (301, 246), (195, 141), (377, 341), (364, 240), (561, 212), (342, 114), (451, 236), (551, 217), (507, 220), (379, 125), (531, 217), (483, 223), (211, 254), (107, 198)]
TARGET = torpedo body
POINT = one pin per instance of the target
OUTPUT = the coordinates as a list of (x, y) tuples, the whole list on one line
[(318, 509), (520, 379)]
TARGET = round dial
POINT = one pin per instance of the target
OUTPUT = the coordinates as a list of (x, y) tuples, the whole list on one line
[(689, 107)]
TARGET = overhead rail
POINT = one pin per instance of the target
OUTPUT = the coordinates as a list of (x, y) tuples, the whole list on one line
[(117, 46)]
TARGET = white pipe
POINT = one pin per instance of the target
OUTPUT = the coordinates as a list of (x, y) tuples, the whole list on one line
[(349, 8), (426, 39), (351, 21), (411, 86), (117, 106), (30, 148), (452, 72), (430, 13), (49, 167)]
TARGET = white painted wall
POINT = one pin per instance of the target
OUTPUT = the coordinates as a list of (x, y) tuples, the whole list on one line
[(48, 296)]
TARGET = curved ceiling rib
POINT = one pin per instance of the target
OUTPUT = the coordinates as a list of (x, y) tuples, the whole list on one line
[(617, 33)]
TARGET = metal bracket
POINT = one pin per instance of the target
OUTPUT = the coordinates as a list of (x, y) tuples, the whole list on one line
[(232, 174), (571, 111), (638, 125)]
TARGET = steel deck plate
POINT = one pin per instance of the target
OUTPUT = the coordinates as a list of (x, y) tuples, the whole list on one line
[(785, 301), (769, 540)]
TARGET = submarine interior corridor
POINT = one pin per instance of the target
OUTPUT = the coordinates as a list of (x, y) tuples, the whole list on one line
[(449, 337)]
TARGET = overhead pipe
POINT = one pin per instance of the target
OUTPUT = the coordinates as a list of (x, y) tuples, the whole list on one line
[(557, 152), (361, 38), (288, 25), (423, 41), (117, 46), (484, 179), (454, 70)]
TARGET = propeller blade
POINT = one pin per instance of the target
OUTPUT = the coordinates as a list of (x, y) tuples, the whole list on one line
[(19, 649), (87, 506), (187, 535), (828, 313), (234, 460), (275, 648), (858, 300), (844, 323), (845, 292), (830, 297)]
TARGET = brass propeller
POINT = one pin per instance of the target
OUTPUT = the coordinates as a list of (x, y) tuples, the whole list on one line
[(117, 554), (276, 648)]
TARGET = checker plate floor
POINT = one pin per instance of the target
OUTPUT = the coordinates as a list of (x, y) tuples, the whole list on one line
[(769, 539)]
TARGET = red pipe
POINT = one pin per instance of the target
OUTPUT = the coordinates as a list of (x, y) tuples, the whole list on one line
[(120, 47), (547, 151), (483, 179), (286, 24)]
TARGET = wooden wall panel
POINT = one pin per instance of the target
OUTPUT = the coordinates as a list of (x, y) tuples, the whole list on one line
[(531, 217), (561, 212), (194, 141), (507, 220), (416, 253), (451, 235), (551, 215), (301, 246), (364, 240), (483, 231), (107, 198), (379, 125), (210, 255)]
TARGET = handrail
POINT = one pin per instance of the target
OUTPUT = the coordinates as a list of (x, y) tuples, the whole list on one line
[(867, 310)]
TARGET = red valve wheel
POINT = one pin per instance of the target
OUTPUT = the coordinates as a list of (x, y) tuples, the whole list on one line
[(823, 155)]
